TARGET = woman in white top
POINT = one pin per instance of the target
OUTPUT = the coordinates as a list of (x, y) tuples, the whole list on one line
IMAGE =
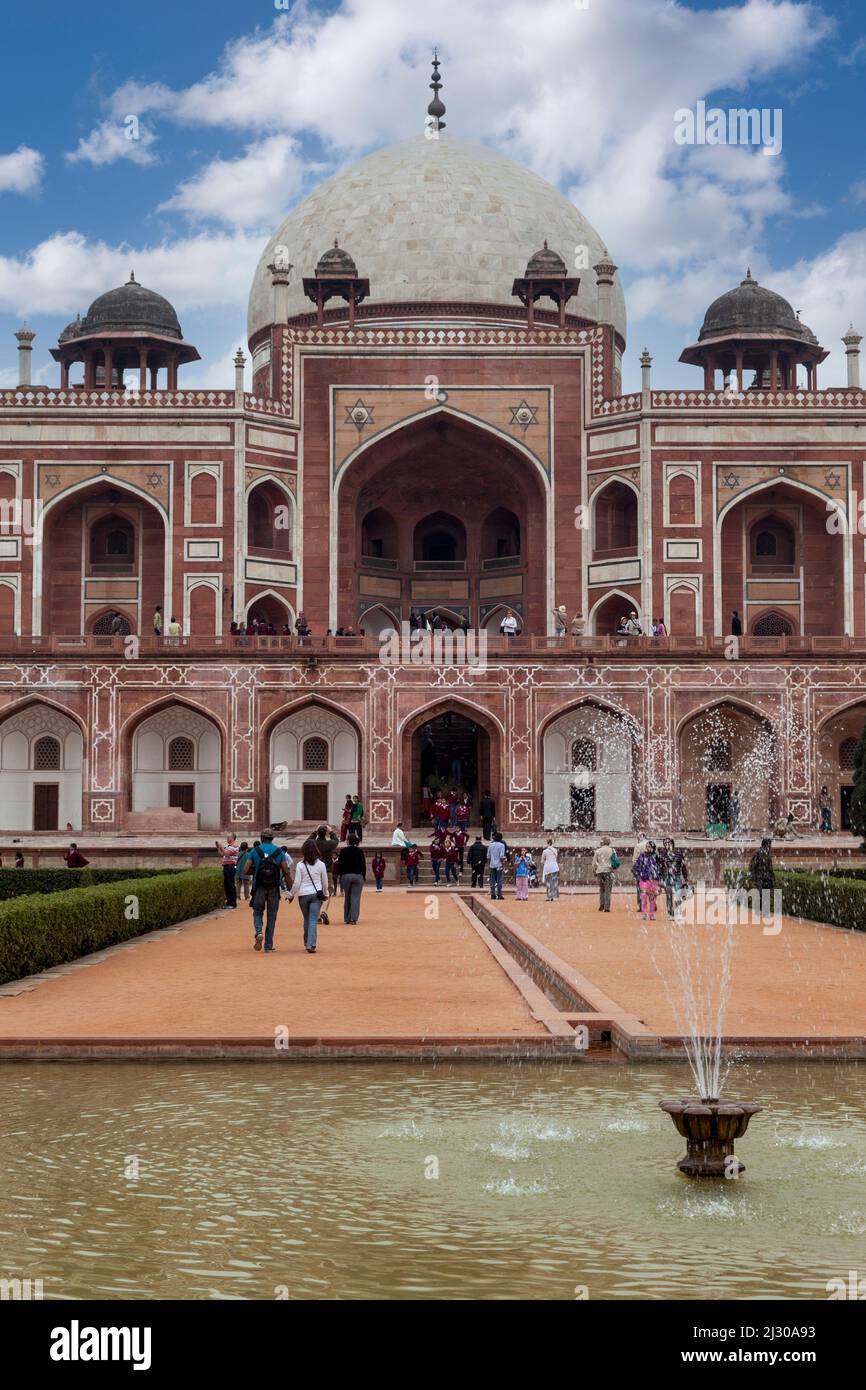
[(550, 871), (311, 880)]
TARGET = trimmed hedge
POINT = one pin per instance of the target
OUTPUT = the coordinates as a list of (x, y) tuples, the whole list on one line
[(46, 929), (819, 897), (17, 883)]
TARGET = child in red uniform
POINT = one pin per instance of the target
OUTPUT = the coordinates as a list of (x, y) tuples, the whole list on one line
[(460, 837), (440, 812), (464, 812), (378, 867), (450, 860), (437, 849), (413, 859), (453, 798)]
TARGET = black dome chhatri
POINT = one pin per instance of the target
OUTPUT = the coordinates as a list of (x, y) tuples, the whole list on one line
[(546, 262), (336, 261), (750, 308), (131, 309)]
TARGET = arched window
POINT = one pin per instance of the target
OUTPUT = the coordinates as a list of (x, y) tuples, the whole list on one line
[(772, 625), (772, 546), (616, 520), (46, 755), (440, 540), (181, 755), (681, 500), (103, 625), (718, 757), (118, 542), (269, 519), (583, 755), (112, 544), (847, 749), (315, 755)]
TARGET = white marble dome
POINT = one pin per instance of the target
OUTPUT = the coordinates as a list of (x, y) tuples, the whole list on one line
[(434, 220)]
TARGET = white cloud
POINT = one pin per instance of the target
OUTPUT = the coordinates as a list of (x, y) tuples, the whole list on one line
[(64, 273), (21, 171), (252, 191), (113, 140)]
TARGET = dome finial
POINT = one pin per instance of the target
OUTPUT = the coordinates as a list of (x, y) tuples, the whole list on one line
[(131, 280), (436, 109)]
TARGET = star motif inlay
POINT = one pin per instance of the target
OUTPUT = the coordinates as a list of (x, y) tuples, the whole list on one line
[(359, 415), (52, 480), (832, 479), (524, 415), (730, 480), (154, 480)]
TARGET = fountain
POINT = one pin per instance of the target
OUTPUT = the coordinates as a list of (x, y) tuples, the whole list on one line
[(701, 942)]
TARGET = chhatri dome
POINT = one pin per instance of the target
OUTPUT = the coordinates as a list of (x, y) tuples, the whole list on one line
[(435, 220)]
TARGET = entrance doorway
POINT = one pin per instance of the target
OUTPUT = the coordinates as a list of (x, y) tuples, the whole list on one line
[(450, 751), (583, 808), (845, 794), (181, 795), (718, 803), (314, 801), (46, 806)]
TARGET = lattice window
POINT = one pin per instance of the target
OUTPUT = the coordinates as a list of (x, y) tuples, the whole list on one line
[(315, 755), (102, 627), (765, 543), (46, 755), (181, 755), (583, 755), (772, 625), (718, 755), (847, 750)]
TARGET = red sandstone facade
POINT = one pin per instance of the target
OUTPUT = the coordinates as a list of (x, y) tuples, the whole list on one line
[(449, 457)]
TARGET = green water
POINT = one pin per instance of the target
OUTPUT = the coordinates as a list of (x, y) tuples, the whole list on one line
[(270, 1180)]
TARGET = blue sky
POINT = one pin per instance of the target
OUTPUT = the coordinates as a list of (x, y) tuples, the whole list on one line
[(241, 108)]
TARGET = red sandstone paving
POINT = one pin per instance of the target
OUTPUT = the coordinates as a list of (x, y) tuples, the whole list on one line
[(394, 973), (810, 980)]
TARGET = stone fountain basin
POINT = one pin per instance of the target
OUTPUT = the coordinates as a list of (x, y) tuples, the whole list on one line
[(710, 1128)]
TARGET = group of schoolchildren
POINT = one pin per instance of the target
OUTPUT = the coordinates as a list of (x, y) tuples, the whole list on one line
[(449, 813)]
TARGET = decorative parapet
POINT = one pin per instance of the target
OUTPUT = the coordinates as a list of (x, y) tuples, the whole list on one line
[(620, 405), (42, 397), (746, 400)]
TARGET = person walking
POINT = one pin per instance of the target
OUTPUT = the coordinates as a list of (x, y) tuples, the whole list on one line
[(378, 867), (460, 838), (674, 875), (647, 873), (269, 864), (640, 848), (19, 859), (243, 876), (761, 873), (477, 860), (74, 858), (413, 859), (604, 861), (521, 876), (229, 853), (487, 812), (736, 624), (495, 861), (352, 868), (358, 819), (825, 803), (550, 871), (310, 887), (450, 856), (157, 622)]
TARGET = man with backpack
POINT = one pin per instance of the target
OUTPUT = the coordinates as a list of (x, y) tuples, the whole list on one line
[(269, 864), (604, 862)]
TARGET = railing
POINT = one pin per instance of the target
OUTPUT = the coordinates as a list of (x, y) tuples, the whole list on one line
[(585, 648), (378, 562), (440, 566), (39, 397), (501, 562)]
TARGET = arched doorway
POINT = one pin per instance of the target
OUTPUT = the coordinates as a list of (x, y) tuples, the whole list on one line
[(604, 618), (41, 760), (270, 520), (451, 543), (615, 521), (450, 745), (834, 765), (588, 770), (313, 761), (103, 550), (176, 762), (728, 752)]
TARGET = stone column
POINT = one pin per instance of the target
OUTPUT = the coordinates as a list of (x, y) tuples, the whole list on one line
[(240, 362), (25, 338), (646, 363), (142, 369), (774, 369), (852, 341)]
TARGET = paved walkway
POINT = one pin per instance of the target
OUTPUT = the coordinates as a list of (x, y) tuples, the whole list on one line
[(809, 981), (393, 973)]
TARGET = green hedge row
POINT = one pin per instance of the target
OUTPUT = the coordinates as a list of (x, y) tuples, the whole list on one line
[(47, 929), (17, 883), (819, 897)]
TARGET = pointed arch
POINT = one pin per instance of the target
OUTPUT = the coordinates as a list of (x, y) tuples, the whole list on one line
[(628, 599)]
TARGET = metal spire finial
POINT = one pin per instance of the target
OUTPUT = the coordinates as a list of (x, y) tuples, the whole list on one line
[(436, 109)]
